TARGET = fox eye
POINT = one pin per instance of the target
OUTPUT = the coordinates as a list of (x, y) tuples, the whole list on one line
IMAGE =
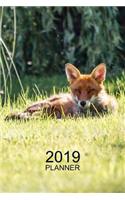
[(91, 90), (78, 91)]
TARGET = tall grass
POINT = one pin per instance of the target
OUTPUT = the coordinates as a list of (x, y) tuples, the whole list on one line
[(7, 66), (100, 141)]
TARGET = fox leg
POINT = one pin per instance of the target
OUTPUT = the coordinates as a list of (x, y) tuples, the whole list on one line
[(22, 115), (49, 108), (44, 107), (28, 113)]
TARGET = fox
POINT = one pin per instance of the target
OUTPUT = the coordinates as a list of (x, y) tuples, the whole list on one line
[(87, 94)]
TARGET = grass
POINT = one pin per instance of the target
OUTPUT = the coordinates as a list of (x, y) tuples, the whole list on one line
[(100, 141)]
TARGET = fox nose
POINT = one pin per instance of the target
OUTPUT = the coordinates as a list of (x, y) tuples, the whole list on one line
[(83, 103)]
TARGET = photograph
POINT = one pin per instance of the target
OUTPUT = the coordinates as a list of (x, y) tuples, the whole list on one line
[(62, 99)]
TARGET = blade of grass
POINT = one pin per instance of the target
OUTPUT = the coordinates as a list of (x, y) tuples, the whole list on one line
[(8, 69), (4, 45), (4, 79), (14, 37), (1, 20)]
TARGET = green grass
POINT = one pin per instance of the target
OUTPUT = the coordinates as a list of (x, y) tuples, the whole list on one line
[(100, 141)]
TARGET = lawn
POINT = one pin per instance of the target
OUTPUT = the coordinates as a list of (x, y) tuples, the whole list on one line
[(100, 141)]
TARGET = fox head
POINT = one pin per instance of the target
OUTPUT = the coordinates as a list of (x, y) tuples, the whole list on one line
[(85, 87)]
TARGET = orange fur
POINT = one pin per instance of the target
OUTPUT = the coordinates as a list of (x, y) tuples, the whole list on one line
[(87, 93)]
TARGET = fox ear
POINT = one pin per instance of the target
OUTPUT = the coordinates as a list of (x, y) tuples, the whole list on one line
[(99, 73), (72, 72)]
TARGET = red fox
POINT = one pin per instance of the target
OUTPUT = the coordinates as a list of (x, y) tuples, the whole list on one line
[(87, 94)]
